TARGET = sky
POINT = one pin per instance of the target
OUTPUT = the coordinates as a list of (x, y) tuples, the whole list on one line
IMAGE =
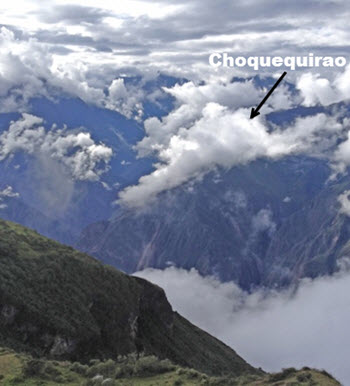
[(176, 36), (85, 49)]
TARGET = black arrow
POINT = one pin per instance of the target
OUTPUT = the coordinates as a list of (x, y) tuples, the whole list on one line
[(255, 112)]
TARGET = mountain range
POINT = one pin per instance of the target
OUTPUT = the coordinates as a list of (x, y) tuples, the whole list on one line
[(246, 224), (265, 223)]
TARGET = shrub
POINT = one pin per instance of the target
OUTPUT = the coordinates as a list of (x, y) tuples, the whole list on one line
[(93, 362), (305, 377), (192, 374), (79, 368), (124, 370), (60, 379), (151, 365), (51, 371), (17, 379), (180, 371), (108, 382), (96, 381), (222, 381), (305, 368), (33, 368), (282, 375), (107, 369)]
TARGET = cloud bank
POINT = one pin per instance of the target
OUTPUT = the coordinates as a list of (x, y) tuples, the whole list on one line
[(85, 50), (211, 128), (77, 152), (166, 34), (274, 330), (30, 69)]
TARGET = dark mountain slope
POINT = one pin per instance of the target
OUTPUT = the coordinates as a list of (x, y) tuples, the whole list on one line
[(225, 225), (57, 302), (312, 241)]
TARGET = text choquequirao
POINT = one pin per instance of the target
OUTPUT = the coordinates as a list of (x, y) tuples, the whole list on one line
[(291, 62)]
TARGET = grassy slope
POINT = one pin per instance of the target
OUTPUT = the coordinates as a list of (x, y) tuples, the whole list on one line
[(12, 372), (51, 293)]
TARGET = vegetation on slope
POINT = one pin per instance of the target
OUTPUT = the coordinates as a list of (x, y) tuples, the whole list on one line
[(59, 303), (133, 370)]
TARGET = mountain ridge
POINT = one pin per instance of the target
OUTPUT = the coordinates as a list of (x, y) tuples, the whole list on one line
[(240, 225), (57, 302)]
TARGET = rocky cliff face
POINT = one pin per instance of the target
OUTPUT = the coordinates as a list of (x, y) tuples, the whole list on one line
[(57, 302), (311, 242), (127, 321), (268, 223)]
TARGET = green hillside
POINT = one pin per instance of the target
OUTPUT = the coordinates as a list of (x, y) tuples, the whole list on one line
[(58, 303), (66, 319), (23, 370)]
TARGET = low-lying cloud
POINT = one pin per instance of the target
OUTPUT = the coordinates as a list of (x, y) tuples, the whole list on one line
[(262, 222), (82, 158), (303, 327)]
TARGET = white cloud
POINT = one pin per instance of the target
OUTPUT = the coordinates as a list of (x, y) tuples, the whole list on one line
[(316, 89), (23, 66), (237, 198), (262, 222), (208, 129), (341, 157), (84, 49), (344, 202), (307, 327), (236, 94), (7, 193), (29, 69), (127, 101), (77, 152)]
